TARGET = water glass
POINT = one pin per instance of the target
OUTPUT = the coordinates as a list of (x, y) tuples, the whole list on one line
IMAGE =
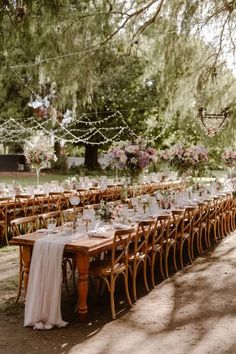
[(51, 225)]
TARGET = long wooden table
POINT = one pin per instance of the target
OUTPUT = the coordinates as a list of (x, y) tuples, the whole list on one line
[(8, 208), (83, 249)]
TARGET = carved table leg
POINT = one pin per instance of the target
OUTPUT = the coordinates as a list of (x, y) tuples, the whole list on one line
[(26, 265), (82, 263)]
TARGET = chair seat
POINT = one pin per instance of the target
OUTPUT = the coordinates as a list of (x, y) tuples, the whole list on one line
[(103, 267), (170, 241), (139, 256), (154, 248), (185, 235)]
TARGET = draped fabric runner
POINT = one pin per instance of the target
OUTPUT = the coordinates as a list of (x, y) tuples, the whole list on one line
[(43, 299)]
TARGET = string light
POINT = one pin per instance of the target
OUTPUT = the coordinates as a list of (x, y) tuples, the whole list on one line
[(16, 130)]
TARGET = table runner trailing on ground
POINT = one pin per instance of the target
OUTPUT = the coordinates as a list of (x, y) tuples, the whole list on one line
[(43, 299)]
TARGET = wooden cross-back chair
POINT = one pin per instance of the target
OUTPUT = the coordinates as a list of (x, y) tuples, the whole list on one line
[(4, 202), (90, 197), (43, 218), (40, 203), (139, 256), (212, 221), (115, 265), (229, 221), (23, 206), (174, 225), (23, 226), (155, 246), (184, 233), (57, 201), (203, 230), (196, 227)]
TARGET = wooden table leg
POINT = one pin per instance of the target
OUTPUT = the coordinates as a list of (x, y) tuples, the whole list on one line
[(82, 263), (26, 265)]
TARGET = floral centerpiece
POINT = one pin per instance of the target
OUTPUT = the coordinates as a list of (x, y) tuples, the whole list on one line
[(229, 158), (192, 159), (38, 156), (105, 211), (131, 157), (70, 183)]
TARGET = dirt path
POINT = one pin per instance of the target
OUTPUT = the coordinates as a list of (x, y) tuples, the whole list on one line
[(193, 312)]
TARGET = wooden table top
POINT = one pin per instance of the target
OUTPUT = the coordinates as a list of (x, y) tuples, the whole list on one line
[(84, 244)]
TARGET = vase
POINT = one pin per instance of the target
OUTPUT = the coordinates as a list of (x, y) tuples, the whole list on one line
[(231, 169), (37, 170)]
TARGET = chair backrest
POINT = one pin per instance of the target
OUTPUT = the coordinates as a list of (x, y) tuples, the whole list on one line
[(175, 224), (40, 203), (143, 236), (23, 205), (189, 218), (25, 225), (43, 218), (70, 214), (3, 208), (120, 248), (159, 229), (55, 201)]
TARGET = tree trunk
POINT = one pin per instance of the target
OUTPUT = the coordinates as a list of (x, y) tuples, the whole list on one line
[(59, 150), (91, 157)]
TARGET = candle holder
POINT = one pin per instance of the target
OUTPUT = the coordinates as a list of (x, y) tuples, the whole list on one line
[(74, 201)]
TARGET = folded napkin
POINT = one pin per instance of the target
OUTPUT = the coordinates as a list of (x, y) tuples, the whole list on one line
[(102, 232), (122, 226)]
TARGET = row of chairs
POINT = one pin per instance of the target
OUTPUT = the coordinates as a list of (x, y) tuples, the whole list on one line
[(158, 245)]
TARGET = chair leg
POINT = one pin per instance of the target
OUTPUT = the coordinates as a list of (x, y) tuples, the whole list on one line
[(181, 254), (189, 250), (112, 290), (20, 280), (161, 264), (166, 262), (134, 275), (192, 244), (73, 274), (145, 274), (199, 241), (153, 258), (6, 237), (174, 258), (64, 273), (20, 277), (127, 287)]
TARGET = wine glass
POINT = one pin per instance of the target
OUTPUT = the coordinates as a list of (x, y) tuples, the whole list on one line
[(74, 201), (51, 225), (86, 217)]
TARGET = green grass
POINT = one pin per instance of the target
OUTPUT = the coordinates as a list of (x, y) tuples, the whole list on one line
[(11, 284), (9, 308), (31, 178), (8, 249)]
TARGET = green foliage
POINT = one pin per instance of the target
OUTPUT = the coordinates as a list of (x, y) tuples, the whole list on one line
[(157, 84)]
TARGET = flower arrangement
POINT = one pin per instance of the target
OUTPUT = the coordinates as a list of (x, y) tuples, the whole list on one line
[(105, 212), (70, 183), (185, 159), (38, 156), (131, 157), (229, 158)]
